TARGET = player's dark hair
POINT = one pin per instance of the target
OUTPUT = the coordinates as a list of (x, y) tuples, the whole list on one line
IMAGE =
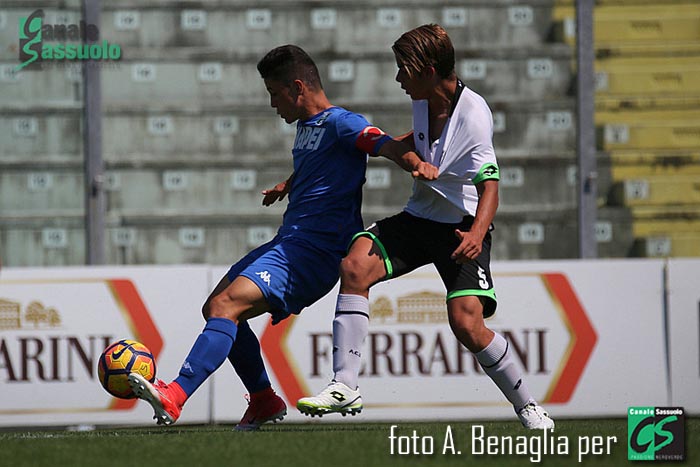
[(427, 45), (287, 63)]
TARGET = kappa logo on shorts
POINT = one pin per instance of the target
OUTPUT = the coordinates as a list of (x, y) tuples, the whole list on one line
[(265, 276)]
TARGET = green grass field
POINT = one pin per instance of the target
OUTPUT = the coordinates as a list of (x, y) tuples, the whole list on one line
[(314, 444)]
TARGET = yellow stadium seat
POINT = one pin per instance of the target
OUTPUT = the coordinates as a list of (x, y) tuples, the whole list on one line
[(638, 22), (665, 220), (635, 164), (648, 75), (657, 191), (649, 129)]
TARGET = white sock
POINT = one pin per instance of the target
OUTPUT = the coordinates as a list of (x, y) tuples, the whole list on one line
[(496, 360), (350, 328)]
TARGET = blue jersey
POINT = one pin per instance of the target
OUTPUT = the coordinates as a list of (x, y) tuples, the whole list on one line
[(300, 265), (330, 159)]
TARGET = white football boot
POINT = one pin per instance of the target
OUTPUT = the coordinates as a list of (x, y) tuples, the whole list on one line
[(533, 417), (337, 397)]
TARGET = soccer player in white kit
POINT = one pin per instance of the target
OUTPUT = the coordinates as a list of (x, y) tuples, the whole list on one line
[(446, 222)]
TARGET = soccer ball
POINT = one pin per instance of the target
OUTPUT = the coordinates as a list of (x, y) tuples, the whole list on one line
[(120, 359)]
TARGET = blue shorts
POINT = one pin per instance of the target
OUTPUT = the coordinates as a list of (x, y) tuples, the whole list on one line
[(291, 272)]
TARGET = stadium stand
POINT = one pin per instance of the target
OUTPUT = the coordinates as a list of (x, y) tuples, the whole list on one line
[(41, 188), (647, 80), (189, 139)]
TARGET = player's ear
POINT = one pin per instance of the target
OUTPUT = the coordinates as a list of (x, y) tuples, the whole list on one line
[(298, 87)]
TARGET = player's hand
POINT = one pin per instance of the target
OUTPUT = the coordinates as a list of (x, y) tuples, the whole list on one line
[(425, 171), (469, 247), (276, 194)]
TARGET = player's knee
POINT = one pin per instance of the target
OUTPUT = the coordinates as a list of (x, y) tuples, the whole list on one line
[(469, 328), (220, 306), (463, 324), (354, 274), (205, 309)]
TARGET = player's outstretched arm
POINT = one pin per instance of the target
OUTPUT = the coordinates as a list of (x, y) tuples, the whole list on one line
[(278, 192), (404, 156)]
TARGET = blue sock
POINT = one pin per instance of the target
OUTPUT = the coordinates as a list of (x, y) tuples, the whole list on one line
[(208, 353), (247, 360)]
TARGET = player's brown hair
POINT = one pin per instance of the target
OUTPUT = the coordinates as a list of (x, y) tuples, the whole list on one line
[(287, 63), (427, 45)]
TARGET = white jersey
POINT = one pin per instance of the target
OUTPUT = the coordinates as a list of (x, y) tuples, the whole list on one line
[(463, 154)]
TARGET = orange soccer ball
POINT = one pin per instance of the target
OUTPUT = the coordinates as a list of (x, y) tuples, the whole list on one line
[(118, 360)]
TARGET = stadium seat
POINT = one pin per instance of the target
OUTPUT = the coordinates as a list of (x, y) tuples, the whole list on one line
[(62, 243), (554, 177), (545, 127), (631, 164), (183, 191), (648, 129), (667, 231), (544, 73), (176, 136), (197, 238), (42, 241), (41, 192), (648, 75), (683, 244), (386, 190), (57, 87), (230, 135), (641, 22), (40, 134), (657, 190), (661, 220), (548, 234), (521, 128)]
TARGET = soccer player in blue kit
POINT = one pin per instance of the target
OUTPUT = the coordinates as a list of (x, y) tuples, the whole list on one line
[(301, 264)]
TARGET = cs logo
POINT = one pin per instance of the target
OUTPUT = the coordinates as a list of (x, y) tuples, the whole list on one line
[(656, 433)]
